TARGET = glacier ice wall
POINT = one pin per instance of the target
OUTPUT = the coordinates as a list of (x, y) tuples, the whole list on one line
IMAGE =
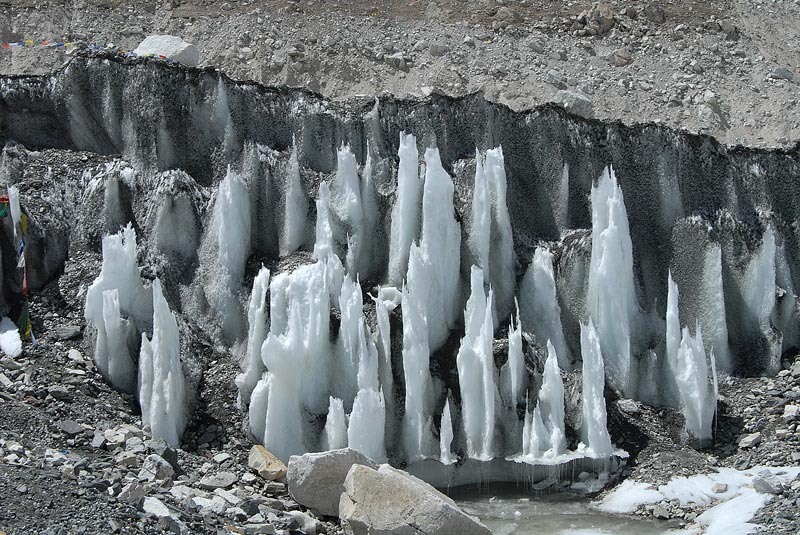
[(685, 198)]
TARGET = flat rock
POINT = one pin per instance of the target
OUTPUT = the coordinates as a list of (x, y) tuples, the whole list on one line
[(766, 482), (575, 103), (68, 332), (70, 427), (317, 479), (265, 463), (220, 480), (748, 441), (388, 501)]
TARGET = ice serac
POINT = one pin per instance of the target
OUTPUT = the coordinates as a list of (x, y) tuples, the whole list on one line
[(712, 310), (257, 327), (594, 430), (366, 432), (544, 433), (347, 208), (490, 241), (226, 247), (476, 371), (323, 243), (297, 353), (348, 346), (295, 209), (416, 373), (161, 381), (759, 295), (446, 456), (118, 302), (611, 298), (433, 265), (370, 260), (539, 308), (695, 377), (514, 381), (385, 373), (405, 212), (334, 436)]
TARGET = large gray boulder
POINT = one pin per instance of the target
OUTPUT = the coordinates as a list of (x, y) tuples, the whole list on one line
[(316, 480), (388, 501)]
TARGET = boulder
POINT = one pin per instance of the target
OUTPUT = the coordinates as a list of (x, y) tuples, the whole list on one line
[(265, 463), (317, 479), (575, 103), (388, 501), (171, 47)]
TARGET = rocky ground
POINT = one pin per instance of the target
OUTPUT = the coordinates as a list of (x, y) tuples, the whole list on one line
[(728, 67)]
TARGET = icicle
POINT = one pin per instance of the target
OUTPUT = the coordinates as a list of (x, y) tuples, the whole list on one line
[(257, 328), (108, 312), (416, 372), (293, 231), (490, 240), (405, 213), (712, 309), (517, 374), (366, 431), (346, 207), (688, 363), (594, 431), (551, 402), (433, 267), (759, 295), (335, 434), (345, 385), (161, 381), (502, 275), (368, 264), (540, 310), (611, 299), (475, 361), (446, 436), (514, 380), (227, 247), (480, 231), (323, 244)]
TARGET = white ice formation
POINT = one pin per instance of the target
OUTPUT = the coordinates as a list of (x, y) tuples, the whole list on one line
[(433, 264), (695, 374), (119, 307), (712, 310), (476, 371), (446, 436), (257, 326), (226, 246), (611, 298), (544, 430), (405, 213), (594, 432), (490, 240), (295, 209), (759, 295), (161, 381), (539, 307)]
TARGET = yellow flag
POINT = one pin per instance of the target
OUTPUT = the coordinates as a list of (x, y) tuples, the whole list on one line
[(23, 222)]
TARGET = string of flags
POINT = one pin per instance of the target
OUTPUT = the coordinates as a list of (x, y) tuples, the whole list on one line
[(30, 43), (19, 220)]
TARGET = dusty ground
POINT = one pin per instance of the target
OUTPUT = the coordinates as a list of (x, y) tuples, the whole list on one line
[(727, 67)]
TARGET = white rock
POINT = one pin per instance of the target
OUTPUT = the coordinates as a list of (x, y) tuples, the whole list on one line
[(170, 46)]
